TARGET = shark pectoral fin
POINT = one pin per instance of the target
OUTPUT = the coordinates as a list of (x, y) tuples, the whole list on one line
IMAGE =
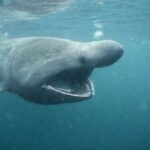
[(2, 86)]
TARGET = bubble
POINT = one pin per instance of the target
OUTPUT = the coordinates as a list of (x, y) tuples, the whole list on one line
[(98, 34), (100, 2), (6, 34), (132, 38), (98, 25)]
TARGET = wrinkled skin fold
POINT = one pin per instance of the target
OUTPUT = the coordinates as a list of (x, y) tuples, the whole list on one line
[(47, 70)]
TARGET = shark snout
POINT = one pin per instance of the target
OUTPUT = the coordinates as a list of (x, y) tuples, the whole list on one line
[(112, 51), (103, 53)]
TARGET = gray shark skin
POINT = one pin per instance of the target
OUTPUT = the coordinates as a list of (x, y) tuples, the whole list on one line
[(47, 70)]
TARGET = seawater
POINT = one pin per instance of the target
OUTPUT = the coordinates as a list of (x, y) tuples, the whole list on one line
[(118, 116)]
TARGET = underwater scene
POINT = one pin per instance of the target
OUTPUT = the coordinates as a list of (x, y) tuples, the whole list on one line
[(74, 75)]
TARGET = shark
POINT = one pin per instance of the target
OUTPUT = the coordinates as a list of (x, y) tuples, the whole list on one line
[(48, 70)]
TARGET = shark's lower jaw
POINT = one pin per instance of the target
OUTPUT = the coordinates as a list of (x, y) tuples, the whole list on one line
[(85, 90)]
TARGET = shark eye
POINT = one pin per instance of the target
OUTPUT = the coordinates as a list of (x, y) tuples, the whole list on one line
[(83, 60)]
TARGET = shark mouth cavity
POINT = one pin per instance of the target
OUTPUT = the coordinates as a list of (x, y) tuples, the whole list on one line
[(71, 84)]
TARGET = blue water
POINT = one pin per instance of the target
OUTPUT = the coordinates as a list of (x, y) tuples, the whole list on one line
[(118, 116)]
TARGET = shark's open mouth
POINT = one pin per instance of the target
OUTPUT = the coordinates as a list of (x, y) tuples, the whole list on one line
[(71, 84)]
